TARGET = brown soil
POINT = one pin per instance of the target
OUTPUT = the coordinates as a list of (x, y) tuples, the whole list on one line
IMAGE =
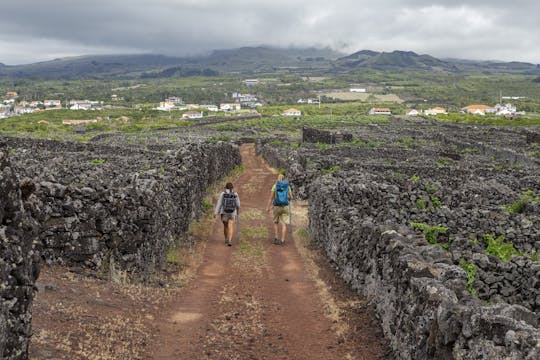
[(254, 300)]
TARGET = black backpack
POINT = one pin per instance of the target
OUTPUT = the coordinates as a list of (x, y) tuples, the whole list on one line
[(229, 202)]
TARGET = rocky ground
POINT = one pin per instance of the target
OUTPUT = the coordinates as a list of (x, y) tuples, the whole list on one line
[(438, 223)]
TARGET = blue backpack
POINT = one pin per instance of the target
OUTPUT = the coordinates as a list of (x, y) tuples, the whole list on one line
[(282, 193)]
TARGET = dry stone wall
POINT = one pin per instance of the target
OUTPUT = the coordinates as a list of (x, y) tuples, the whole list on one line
[(19, 262), (104, 207), (313, 135), (363, 200), (101, 203)]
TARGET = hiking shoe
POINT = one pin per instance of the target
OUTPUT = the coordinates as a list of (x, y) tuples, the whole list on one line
[(282, 242), (276, 241), (228, 242)]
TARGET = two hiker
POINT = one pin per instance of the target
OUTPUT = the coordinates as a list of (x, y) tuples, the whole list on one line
[(280, 197), (227, 208)]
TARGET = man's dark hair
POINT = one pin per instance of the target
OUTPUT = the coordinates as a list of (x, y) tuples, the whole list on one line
[(229, 186)]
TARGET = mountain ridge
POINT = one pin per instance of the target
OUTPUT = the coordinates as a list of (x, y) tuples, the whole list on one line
[(253, 60)]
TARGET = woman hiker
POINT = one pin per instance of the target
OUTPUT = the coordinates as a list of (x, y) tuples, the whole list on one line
[(280, 196), (227, 208)]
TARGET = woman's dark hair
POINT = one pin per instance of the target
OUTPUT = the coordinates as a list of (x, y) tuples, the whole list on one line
[(229, 186)]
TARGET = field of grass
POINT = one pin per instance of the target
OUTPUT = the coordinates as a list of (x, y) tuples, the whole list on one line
[(365, 97), (279, 92), (108, 121)]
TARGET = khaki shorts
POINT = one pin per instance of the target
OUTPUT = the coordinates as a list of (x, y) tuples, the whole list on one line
[(281, 214), (226, 217)]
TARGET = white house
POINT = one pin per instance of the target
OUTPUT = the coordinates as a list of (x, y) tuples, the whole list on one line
[(174, 100), (413, 112), (52, 104), (251, 82), (230, 106), (435, 111), (505, 109), (358, 90), (209, 107), (380, 111), (193, 114), (19, 110), (165, 106), (81, 106), (292, 112)]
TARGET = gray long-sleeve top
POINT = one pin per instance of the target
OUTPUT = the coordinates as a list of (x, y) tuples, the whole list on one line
[(219, 205)]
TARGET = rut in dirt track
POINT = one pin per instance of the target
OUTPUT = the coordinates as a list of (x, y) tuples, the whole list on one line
[(256, 300)]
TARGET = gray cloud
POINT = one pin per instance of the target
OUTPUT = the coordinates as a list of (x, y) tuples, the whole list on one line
[(31, 31)]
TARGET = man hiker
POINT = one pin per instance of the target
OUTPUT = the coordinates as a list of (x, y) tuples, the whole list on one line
[(227, 208), (280, 197)]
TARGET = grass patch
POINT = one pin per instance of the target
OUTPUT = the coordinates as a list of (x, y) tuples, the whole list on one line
[(303, 233), (175, 254), (470, 270), (254, 232), (251, 248), (499, 248), (519, 206), (207, 205), (420, 204), (332, 170), (431, 233), (97, 161), (435, 202), (252, 214)]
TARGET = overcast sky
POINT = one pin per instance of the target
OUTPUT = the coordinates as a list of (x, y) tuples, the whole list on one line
[(37, 30)]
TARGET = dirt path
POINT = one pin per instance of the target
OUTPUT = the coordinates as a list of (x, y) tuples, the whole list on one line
[(256, 300)]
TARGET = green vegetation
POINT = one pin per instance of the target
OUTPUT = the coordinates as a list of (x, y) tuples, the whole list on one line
[(216, 139), (174, 254), (51, 125), (251, 249), (279, 91), (334, 169), (237, 171), (431, 233), (421, 204), (362, 143), (442, 162), (97, 161), (206, 205), (303, 233), (470, 270), (526, 198), (435, 202), (254, 232), (415, 178), (499, 248), (430, 187)]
